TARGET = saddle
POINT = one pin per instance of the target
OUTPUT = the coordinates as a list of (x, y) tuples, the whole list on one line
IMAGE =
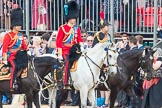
[(5, 72)]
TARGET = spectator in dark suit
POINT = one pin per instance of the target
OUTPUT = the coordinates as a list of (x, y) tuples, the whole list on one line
[(133, 43), (123, 44), (139, 41)]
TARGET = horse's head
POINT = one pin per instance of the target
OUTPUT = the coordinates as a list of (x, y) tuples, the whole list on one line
[(111, 60), (147, 61)]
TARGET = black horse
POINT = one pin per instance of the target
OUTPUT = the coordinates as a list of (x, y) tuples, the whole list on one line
[(37, 68), (128, 64)]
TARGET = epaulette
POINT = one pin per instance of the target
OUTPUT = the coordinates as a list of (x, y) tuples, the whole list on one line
[(98, 38), (66, 33), (96, 34)]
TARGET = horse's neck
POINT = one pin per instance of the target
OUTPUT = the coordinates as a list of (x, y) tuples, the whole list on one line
[(131, 65), (96, 57)]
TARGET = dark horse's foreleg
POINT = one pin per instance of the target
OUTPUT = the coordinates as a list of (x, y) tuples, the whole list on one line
[(113, 95), (1, 100), (29, 98), (61, 96), (36, 100), (133, 100)]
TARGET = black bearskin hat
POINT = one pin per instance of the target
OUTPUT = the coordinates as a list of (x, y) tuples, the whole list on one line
[(71, 10), (16, 17)]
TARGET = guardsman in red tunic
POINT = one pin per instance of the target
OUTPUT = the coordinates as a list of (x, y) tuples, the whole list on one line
[(13, 42), (68, 34)]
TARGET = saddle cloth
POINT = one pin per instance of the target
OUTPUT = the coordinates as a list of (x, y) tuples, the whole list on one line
[(74, 66), (6, 75)]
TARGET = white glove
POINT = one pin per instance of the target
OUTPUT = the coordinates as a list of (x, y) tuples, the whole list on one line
[(29, 53), (82, 49), (5, 62), (60, 57)]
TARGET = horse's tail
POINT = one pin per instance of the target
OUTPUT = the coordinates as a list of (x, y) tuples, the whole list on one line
[(21, 60)]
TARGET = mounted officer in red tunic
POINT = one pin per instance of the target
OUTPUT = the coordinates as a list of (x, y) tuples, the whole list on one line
[(68, 34), (12, 43)]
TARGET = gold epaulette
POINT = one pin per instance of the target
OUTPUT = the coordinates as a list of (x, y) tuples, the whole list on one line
[(67, 33), (97, 36), (14, 39)]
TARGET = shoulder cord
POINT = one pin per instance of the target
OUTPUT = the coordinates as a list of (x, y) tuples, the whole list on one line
[(67, 33)]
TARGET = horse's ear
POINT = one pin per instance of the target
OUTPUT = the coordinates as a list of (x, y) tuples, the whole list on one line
[(144, 53), (153, 51), (116, 45)]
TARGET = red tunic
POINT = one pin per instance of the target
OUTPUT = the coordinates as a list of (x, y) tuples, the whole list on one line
[(63, 33), (9, 41)]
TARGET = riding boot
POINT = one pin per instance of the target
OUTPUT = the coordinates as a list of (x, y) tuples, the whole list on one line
[(67, 78)]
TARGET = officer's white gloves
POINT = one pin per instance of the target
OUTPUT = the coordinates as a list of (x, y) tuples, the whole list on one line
[(29, 52), (5, 62), (82, 49)]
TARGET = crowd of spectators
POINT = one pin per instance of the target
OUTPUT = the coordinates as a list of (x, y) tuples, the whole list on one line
[(46, 14)]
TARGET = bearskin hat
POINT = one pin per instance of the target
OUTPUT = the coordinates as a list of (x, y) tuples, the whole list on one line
[(71, 10), (16, 17)]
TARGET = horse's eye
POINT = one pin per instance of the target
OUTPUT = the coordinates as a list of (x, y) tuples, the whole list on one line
[(110, 56)]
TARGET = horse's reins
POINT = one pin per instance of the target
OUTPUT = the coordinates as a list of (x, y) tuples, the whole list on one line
[(39, 81), (98, 82)]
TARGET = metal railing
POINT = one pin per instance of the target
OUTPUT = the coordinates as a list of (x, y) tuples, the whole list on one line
[(131, 16)]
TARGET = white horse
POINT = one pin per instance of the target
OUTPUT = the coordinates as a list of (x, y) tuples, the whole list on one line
[(88, 71)]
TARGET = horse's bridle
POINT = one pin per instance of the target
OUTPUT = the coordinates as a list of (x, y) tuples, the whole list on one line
[(115, 65), (86, 56), (142, 61)]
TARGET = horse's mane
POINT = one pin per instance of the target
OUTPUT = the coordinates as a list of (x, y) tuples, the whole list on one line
[(45, 59), (131, 53)]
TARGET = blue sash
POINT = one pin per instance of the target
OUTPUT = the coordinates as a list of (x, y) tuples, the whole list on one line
[(18, 43), (71, 36)]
